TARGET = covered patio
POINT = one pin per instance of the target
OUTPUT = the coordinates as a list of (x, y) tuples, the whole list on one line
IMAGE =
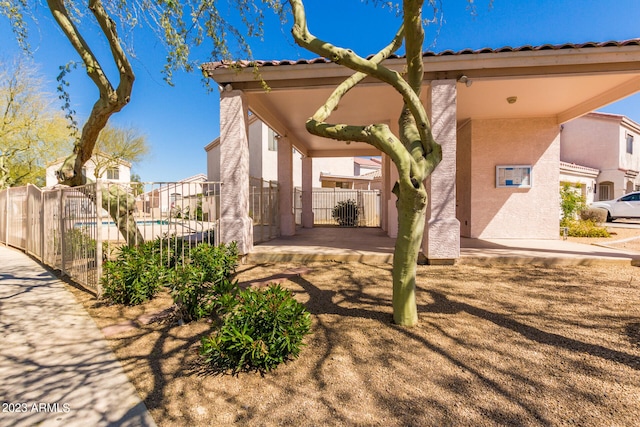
[(489, 109)]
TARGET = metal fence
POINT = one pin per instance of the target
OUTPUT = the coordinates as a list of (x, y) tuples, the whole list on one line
[(356, 208), (263, 209), (66, 231)]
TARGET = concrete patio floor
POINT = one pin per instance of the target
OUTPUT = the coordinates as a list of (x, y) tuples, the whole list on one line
[(372, 245)]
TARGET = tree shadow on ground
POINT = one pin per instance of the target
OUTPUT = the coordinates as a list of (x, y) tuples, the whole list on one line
[(442, 304), (633, 333)]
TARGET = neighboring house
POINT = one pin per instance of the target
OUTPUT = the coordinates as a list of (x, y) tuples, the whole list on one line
[(327, 172), (497, 114), (364, 166), (367, 175), (263, 153), (111, 170), (581, 177), (609, 143), (171, 196)]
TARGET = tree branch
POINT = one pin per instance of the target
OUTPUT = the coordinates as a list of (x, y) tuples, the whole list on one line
[(110, 101), (349, 59)]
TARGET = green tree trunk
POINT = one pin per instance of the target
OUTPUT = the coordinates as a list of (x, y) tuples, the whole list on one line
[(411, 221), (121, 204), (414, 152)]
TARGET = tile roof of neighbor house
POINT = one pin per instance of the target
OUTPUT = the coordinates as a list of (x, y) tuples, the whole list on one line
[(195, 178), (210, 66), (370, 163)]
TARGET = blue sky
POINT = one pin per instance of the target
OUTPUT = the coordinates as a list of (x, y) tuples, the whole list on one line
[(180, 120)]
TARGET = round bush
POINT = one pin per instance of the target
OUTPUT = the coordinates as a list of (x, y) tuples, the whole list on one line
[(260, 330), (596, 215), (346, 213), (134, 277)]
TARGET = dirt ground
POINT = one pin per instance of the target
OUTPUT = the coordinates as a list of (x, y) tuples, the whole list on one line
[(496, 345)]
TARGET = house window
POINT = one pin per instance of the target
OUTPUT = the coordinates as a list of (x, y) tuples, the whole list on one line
[(113, 173), (604, 192), (272, 140), (629, 144)]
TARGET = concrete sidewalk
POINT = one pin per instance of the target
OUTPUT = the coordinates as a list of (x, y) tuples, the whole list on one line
[(56, 368)]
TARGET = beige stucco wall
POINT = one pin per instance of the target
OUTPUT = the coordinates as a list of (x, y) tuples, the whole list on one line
[(584, 142), (213, 161), (527, 213), (463, 179)]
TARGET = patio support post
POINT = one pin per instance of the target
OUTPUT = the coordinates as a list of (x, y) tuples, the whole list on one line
[(441, 241), (235, 223), (285, 181), (307, 192)]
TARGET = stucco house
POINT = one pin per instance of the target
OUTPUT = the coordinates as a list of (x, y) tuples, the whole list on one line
[(581, 178), (170, 196), (608, 143), (497, 113), (109, 169), (330, 172)]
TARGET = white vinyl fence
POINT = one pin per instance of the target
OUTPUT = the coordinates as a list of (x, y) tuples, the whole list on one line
[(365, 203), (64, 229), (263, 209)]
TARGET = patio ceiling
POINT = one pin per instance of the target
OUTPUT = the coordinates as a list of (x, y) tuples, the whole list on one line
[(563, 82)]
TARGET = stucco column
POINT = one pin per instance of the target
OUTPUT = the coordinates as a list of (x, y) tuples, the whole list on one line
[(307, 192), (236, 225), (441, 241), (285, 183)]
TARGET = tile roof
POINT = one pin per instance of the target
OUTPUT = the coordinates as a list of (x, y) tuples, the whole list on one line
[(370, 162), (210, 66)]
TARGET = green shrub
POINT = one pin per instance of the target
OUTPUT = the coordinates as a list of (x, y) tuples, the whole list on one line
[(171, 249), (586, 229), (596, 215), (571, 202), (260, 329), (135, 276), (346, 213), (197, 286)]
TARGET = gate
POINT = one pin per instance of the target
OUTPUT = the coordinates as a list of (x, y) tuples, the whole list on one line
[(340, 207)]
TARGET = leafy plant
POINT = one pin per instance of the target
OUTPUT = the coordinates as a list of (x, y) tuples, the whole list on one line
[(197, 286), (260, 329), (135, 276), (77, 244), (345, 213), (571, 202), (586, 228)]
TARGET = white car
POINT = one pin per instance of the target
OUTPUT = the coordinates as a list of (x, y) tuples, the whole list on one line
[(627, 206)]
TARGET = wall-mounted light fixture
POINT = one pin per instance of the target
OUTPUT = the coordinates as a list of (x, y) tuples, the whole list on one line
[(466, 80), (512, 99)]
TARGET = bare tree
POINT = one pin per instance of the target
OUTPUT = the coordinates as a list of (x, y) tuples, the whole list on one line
[(414, 151), (117, 144), (32, 129), (180, 24)]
